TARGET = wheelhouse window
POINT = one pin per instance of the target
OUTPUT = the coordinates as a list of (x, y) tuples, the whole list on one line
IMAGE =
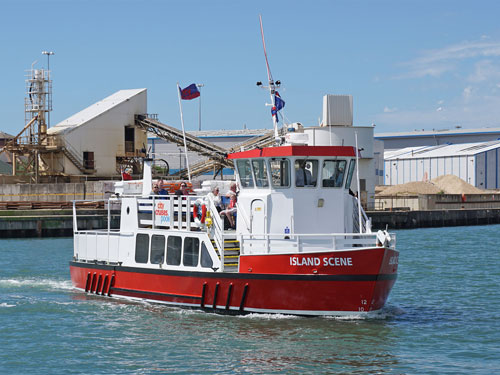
[(352, 165), (174, 247), (245, 173), (280, 172), (206, 259), (333, 173), (191, 252), (260, 173), (157, 249), (306, 172), (141, 248)]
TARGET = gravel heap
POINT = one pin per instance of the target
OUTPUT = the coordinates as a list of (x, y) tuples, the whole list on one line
[(448, 184), (452, 184)]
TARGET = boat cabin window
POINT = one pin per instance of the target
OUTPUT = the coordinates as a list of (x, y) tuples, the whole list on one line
[(306, 172), (174, 246), (333, 173), (206, 259), (352, 164), (260, 173), (280, 172), (191, 252), (157, 249), (245, 173), (141, 248)]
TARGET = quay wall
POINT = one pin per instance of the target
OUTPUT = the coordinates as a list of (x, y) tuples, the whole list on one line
[(433, 218), (60, 192), (52, 223), (59, 223)]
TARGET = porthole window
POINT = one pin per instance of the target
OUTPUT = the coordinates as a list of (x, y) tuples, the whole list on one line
[(333, 173), (174, 247), (191, 252), (260, 173), (141, 248), (206, 259), (306, 172), (245, 173), (352, 165), (280, 172), (157, 249)]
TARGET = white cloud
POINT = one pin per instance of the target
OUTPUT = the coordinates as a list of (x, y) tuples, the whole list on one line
[(467, 93), (439, 109), (485, 70), (389, 110), (438, 61)]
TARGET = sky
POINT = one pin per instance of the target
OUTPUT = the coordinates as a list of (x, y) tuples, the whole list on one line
[(410, 65)]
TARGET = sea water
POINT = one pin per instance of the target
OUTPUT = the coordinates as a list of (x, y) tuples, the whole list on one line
[(442, 317)]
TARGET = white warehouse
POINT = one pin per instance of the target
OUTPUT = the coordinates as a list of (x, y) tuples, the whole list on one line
[(99, 138), (475, 163)]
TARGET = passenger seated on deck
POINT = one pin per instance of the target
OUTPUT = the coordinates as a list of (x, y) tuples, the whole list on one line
[(232, 189), (162, 185), (214, 195), (230, 211), (156, 189), (183, 190), (127, 174)]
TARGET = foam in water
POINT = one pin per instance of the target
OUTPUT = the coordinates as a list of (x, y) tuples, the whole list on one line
[(4, 304), (36, 282)]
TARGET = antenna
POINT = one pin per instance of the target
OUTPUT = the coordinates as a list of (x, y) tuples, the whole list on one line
[(272, 86)]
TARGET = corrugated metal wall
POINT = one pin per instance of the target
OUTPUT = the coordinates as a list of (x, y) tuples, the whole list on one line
[(481, 170)]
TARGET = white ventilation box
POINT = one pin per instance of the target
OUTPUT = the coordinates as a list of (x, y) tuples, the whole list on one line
[(337, 110)]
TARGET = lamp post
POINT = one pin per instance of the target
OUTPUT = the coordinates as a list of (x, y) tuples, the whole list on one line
[(48, 53), (199, 85)]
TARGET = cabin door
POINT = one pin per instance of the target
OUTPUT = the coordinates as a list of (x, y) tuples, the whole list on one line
[(258, 217)]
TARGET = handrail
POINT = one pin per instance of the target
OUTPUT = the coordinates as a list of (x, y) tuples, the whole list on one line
[(261, 243), (217, 229)]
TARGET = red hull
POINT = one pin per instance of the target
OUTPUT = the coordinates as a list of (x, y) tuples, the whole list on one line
[(336, 283)]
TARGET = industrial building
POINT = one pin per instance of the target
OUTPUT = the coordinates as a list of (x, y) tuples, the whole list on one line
[(400, 140), (101, 138), (476, 163)]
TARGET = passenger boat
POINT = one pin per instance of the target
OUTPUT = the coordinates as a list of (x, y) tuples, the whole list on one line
[(302, 244)]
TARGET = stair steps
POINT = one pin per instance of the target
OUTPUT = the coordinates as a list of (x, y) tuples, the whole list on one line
[(231, 254)]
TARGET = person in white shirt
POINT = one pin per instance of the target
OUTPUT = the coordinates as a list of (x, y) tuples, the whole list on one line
[(214, 195)]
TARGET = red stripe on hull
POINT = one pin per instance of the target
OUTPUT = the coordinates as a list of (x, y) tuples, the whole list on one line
[(308, 294)]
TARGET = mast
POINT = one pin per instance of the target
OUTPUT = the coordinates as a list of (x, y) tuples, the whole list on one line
[(272, 85)]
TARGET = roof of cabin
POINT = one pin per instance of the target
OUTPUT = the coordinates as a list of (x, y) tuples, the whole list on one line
[(282, 151)]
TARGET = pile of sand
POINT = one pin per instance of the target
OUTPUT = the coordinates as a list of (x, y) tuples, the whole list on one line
[(412, 188), (448, 184), (452, 184)]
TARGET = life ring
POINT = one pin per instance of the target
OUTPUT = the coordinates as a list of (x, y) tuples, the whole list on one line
[(200, 215), (203, 213)]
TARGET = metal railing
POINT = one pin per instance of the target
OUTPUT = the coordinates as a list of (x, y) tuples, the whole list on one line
[(365, 221), (305, 243)]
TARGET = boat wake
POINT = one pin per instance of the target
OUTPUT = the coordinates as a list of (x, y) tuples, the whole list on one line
[(36, 283)]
